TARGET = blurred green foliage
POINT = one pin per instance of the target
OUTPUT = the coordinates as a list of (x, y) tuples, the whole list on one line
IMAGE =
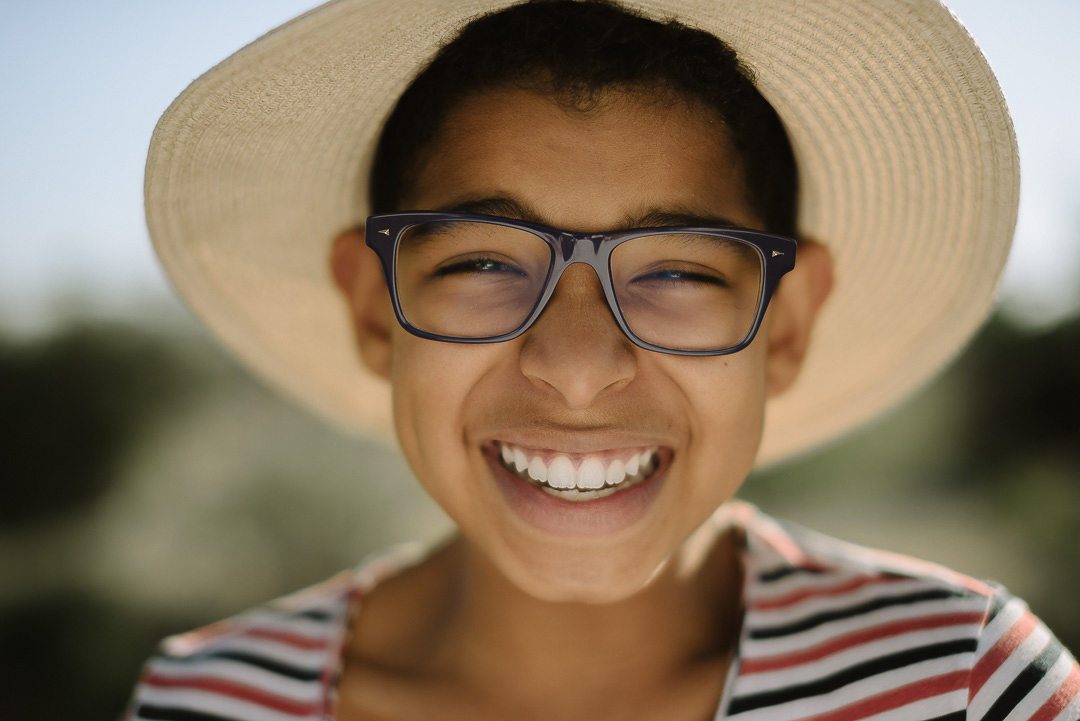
[(150, 486), (69, 654), (1024, 404), (69, 406)]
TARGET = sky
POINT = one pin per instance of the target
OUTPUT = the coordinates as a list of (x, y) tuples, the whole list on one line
[(83, 85)]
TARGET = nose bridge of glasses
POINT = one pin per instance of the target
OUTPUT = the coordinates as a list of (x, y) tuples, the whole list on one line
[(588, 250), (580, 248)]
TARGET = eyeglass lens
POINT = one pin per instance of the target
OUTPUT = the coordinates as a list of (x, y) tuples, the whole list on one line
[(680, 291)]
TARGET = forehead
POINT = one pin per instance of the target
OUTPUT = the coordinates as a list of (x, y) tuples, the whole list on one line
[(626, 157)]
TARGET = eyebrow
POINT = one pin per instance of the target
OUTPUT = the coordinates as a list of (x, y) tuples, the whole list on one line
[(499, 205), (657, 218), (508, 207)]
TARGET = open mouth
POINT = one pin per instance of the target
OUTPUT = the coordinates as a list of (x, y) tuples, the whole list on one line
[(579, 477)]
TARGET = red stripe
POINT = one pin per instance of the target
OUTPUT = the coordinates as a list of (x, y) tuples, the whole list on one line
[(1065, 695), (1004, 648), (773, 663), (233, 689), (289, 639), (793, 598), (896, 698)]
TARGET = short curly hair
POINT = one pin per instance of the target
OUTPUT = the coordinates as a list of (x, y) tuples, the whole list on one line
[(575, 50)]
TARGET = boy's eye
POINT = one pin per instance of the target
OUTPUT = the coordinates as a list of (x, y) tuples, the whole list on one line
[(479, 265), (681, 275)]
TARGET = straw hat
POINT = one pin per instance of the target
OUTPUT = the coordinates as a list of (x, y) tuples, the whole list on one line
[(907, 160)]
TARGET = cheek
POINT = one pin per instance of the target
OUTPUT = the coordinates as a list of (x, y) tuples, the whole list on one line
[(433, 384), (421, 394), (726, 403)]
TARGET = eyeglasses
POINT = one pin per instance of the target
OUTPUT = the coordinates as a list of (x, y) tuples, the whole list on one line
[(482, 279)]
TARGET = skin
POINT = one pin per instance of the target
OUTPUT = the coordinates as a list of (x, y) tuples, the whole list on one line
[(634, 623)]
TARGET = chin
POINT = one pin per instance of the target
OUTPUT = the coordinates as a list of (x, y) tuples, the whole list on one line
[(587, 577)]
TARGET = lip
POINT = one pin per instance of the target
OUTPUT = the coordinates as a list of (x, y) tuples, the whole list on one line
[(596, 517)]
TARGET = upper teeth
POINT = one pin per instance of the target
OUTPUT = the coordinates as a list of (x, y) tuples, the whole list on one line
[(589, 473)]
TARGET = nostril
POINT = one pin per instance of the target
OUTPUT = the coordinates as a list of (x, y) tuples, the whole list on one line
[(576, 347)]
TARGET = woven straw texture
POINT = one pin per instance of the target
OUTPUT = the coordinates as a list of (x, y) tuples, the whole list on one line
[(905, 149)]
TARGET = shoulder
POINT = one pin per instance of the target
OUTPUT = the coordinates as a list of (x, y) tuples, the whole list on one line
[(277, 660), (833, 629)]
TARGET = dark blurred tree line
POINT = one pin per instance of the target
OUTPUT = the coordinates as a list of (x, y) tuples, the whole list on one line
[(72, 405)]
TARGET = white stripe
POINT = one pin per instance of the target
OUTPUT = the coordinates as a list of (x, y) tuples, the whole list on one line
[(857, 691), (800, 580), (1007, 672), (830, 574), (753, 683), (1043, 690), (850, 554), (818, 604), (311, 660), (224, 631), (1000, 625), (927, 708), (830, 631), (226, 669), (306, 627), (208, 702)]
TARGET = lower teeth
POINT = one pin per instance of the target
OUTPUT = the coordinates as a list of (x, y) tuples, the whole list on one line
[(585, 494)]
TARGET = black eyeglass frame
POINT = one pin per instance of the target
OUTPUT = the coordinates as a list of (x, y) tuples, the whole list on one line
[(777, 253)]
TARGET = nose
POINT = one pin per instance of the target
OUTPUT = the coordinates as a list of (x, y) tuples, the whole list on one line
[(575, 347)]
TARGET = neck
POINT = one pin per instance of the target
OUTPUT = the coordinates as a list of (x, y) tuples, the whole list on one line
[(688, 615)]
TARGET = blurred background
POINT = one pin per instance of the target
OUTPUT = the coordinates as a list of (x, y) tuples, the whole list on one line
[(149, 486)]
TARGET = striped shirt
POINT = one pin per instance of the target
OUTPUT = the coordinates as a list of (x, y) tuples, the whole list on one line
[(831, 632)]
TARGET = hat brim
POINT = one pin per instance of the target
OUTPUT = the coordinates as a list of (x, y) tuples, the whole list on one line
[(907, 159)]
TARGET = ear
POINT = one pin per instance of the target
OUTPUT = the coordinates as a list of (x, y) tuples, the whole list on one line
[(358, 274), (794, 309)]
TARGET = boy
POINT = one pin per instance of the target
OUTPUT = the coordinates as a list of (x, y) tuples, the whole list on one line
[(586, 427)]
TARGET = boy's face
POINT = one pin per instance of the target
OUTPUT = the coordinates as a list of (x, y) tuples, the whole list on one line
[(574, 385)]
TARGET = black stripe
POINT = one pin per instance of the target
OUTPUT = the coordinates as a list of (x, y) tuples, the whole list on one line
[(852, 674), (997, 604), (873, 605), (314, 614), (269, 664), (263, 662), (777, 573), (1028, 679), (171, 713), (784, 571), (954, 716)]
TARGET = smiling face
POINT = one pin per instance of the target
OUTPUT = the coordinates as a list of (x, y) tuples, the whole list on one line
[(576, 462)]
